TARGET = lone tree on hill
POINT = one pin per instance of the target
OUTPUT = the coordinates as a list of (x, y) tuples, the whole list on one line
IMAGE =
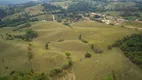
[(47, 45), (68, 54), (88, 55)]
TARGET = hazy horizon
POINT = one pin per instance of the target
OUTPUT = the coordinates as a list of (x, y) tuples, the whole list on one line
[(14, 1)]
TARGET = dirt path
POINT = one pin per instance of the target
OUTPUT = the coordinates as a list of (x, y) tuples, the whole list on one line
[(132, 27)]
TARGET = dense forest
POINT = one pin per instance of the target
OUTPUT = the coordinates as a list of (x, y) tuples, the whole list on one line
[(12, 9), (132, 47)]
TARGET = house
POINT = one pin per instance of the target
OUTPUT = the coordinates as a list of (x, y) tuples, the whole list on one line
[(106, 21), (43, 20)]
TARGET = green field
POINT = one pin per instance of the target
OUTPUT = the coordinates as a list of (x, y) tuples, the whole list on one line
[(112, 13), (133, 24), (98, 67), (74, 36)]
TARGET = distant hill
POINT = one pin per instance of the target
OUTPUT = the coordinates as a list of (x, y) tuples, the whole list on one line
[(14, 1)]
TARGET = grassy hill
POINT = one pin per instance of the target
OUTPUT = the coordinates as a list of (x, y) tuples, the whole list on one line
[(47, 52), (64, 39)]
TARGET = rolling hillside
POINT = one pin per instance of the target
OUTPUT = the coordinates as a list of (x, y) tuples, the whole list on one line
[(53, 49)]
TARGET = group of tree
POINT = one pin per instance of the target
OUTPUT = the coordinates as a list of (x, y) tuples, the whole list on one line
[(82, 39), (96, 49), (2, 13), (132, 47), (81, 6), (21, 19), (32, 75), (49, 8), (28, 36), (12, 9), (26, 25)]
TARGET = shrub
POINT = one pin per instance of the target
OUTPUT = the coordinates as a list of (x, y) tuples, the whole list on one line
[(30, 55), (109, 47), (12, 72), (67, 24), (61, 40), (68, 54), (81, 39), (70, 63), (28, 76), (46, 46), (88, 55), (29, 48), (30, 34), (67, 65), (9, 37), (96, 50), (84, 41), (55, 72)]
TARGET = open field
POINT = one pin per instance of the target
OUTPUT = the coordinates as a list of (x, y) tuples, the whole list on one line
[(47, 17), (133, 24), (65, 39), (112, 13)]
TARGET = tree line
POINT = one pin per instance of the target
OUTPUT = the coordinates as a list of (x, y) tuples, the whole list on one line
[(132, 47)]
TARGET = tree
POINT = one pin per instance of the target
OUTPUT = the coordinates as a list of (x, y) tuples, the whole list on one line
[(88, 55), (68, 54), (30, 34), (30, 55), (55, 72), (46, 46)]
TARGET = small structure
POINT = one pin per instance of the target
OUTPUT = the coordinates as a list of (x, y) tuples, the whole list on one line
[(43, 20), (106, 21)]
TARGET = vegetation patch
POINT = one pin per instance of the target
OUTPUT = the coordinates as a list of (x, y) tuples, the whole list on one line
[(132, 47), (134, 23), (83, 40), (96, 49), (28, 36), (88, 55)]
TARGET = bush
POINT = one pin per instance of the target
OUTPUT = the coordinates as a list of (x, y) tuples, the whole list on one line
[(109, 47), (9, 37), (30, 55), (84, 41), (55, 72), (88, 55), (67, 65), (30, 34), (68, 54), (46, 46), (61, 40), (28, 76), (23, 26), (67, 24), (81, 39), (96, 50)]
